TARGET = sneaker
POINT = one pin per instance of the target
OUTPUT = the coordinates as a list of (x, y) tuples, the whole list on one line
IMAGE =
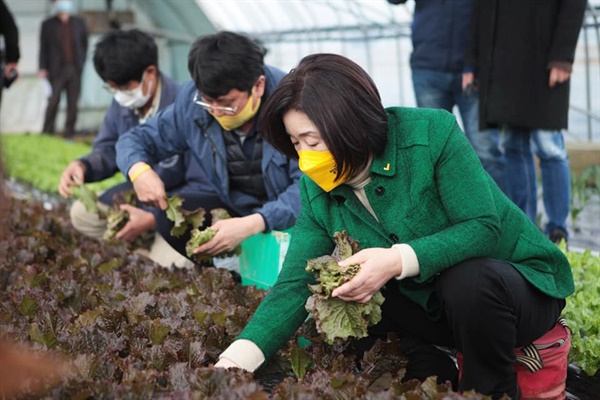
[(558, 235)]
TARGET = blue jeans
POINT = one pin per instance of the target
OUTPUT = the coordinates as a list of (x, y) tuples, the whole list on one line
[(434, 89), (549, 146)]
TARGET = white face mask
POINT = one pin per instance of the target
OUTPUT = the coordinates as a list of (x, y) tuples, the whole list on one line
[(63, 6), (133, 98)]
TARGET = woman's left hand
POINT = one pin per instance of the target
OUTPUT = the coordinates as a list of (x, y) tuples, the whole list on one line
[(377, 266)]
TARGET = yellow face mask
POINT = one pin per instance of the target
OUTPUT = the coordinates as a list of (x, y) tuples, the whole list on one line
[(231, 122), (320, 166)]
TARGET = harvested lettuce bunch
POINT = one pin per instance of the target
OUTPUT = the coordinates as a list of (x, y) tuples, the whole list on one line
[(201, 236), (116, 219), (336, 319), (182, 218), (88, 197)]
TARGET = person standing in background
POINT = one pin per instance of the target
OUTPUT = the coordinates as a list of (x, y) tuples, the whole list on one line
[(63, 49), (523, 52), (440, 37), (9, 56)]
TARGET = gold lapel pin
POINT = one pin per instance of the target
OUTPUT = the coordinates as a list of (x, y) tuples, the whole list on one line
[(387, 167)]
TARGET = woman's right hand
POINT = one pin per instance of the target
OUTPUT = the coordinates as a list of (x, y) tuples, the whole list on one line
[(148, 186)]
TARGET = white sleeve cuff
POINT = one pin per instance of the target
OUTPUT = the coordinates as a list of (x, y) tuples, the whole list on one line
[(244, 354), (410, 262)]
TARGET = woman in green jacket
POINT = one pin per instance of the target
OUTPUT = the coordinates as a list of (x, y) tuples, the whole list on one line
[(458, 264)]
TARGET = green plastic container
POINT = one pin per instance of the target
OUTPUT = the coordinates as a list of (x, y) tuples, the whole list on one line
[(262, 257)]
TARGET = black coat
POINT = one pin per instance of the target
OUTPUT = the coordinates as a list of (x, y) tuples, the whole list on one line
[(9, 30), (50, 50), (512, 44)]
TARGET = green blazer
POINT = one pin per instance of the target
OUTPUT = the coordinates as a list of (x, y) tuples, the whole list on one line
[(429, 191)]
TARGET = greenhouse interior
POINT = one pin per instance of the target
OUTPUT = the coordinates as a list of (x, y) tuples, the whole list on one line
[(100, 316)]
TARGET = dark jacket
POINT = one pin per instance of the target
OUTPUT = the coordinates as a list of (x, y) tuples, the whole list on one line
[(186, 126), (440, 34), (512, 44), (101, 163), (429, 191), (9, 30), (50, 50)]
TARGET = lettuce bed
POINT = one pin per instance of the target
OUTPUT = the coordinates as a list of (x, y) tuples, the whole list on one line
[(583, 311), (133, 330), (40, 159)]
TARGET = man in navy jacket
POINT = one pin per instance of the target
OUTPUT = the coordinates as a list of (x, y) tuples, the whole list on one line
[(214, 117), (128, 62)]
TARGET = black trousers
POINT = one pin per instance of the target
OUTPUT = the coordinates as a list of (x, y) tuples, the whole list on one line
[(107, 196), (69, 79), (489, 309)]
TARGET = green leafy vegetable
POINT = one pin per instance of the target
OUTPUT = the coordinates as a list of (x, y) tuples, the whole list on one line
[(201, 236), (87, 197), (157, 332), (198, 238), (116, 219), (134, 330), (40, 160), (582, 311), (27, 306), (337, 319), (300, 361), (183, 220)]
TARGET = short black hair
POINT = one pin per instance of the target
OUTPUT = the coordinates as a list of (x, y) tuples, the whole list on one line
[(341, 100), (122, 56), (224, 61)]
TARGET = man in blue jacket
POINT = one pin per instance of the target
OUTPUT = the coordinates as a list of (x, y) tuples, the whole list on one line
[(127, 61), (440, 38), (214, 117)]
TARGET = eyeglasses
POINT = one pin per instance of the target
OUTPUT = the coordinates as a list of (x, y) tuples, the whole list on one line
[(208, 107)]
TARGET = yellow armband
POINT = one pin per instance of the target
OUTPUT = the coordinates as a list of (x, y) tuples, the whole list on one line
[(140, 171)]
